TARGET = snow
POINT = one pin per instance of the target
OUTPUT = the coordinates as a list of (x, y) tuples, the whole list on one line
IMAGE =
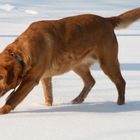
[(32, 12), (98, 117), (7, 7)]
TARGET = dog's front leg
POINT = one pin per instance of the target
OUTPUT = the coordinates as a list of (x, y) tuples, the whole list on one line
[(47, 88), (15, 98)]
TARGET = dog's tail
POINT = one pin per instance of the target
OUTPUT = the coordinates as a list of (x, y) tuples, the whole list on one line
[(125, 19)]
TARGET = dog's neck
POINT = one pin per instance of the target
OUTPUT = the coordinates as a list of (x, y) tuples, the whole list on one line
[(21, 56), (18, 59)]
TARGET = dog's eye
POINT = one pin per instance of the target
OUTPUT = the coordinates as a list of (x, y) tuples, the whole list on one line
[(1, 77)]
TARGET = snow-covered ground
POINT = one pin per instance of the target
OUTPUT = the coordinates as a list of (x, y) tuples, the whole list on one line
[(99, 117)]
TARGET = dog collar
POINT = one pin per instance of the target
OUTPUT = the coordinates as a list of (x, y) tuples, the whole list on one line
[(18, 59)]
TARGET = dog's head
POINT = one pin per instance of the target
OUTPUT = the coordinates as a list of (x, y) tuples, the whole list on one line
[(10, 73)]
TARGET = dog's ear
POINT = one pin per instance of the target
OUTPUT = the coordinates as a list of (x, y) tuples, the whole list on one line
[(10, 76)]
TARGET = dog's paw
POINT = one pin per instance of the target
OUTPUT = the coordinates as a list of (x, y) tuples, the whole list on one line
[(5, 109), (77, 101), (48, 103), (121, 101)]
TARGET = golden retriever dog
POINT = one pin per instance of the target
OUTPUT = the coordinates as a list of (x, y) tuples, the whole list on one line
[(53, 47)]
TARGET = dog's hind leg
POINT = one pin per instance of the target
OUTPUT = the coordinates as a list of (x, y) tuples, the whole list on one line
[(112, 70), (84, 73), (47, 88)]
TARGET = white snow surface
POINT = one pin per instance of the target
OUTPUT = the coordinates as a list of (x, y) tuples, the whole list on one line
[(32, 12), (7, 7), (98, 118)]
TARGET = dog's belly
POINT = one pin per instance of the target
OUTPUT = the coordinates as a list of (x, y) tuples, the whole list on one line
[(64, 65), (89, 61)]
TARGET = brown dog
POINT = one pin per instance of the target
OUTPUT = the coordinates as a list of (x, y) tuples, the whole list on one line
[(49, 48)]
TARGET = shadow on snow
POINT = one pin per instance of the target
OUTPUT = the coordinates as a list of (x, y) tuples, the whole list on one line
[(99, 107)]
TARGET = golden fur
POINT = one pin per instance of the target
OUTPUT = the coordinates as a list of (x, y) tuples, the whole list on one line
[(49, 48)]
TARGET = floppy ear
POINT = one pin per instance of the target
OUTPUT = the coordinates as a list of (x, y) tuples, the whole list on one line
[(10, 71)]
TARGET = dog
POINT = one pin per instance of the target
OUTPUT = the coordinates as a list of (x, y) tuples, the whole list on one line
[(53, 47)]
